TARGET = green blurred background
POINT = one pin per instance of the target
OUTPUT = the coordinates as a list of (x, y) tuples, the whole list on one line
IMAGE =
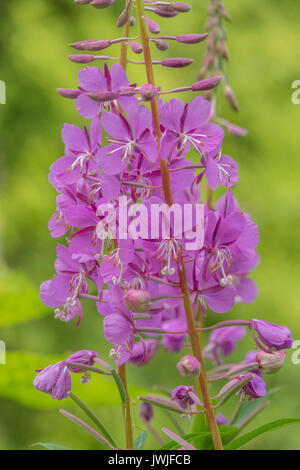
[(265, 59)]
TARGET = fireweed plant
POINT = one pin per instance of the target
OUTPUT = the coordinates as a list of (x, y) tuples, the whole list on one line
[(153, 292)]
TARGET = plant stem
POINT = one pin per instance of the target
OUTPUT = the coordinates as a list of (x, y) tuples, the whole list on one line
[(122, 368), (126, 410), (192, 331)]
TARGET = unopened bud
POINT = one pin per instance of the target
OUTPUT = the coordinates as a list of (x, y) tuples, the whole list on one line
[(188, 366), (83, 2), (148, 92), (136, 47), (146, 412), (181, 7), (207, 84), (269, 363), (91, 45), (233, 129), (177, 62), (105, 96), (81, 58), (165, 11), (68, 93), (138, 301), (132, 21), (161, 45), (153, 27), (101, 3), (230, 97), (191, 38)]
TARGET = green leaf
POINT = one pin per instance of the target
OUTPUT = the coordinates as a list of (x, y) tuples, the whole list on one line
[(102, 428), (17, 375), (19, 300), (119, 385), (50, 446), (200, 426), (274, 425), (139, 442)]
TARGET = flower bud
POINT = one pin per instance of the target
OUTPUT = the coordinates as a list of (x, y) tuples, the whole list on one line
[(271, 335), (161, 45), (152, 26), (125, 16), (68, 93), (181, 7), (101, 3), (136, 47), (269, 363), (207, 84), (191, 38), (148, 92), (230, 97), (177, 62), (132, 21), (91, 45), (221, 419), (233, 129), (146, 412), (81, 58), (84, 357), (165, 11), (188, 366), (105, 96), (138, 301), (83, 2)]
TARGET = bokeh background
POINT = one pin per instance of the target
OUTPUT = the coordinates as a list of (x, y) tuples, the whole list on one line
[(265, 59)]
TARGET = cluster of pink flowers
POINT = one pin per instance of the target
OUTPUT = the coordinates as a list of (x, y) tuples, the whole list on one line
[(136, 284)]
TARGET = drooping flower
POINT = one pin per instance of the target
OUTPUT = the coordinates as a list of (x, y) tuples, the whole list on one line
[(221, 419), (256, 387), (185, 396), (270, 335), (55, 380)]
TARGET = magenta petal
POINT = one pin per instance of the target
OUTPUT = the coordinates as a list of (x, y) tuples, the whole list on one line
[(198, 112), (118, 77), (113, 125), (87, 107), (54, 293), (91, 79), (140, 119), (168, 144), (212, 173), (221, 301), (171, 114), (109, 164), (74, 138)]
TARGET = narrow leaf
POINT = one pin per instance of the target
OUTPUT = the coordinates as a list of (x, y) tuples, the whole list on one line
[(120, 386), (140, 441), (50, 446), (274, 425), (94, 418), (182, 442), (86, 427)]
